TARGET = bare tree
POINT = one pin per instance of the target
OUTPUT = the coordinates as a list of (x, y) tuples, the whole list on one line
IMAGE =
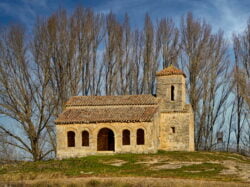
[(25, 96), (7, 152), (216, 89), (112, 49), (168, 37), (148, 55), (136, 62), (88, 30), (124, 58), (194, 39), (242, 81), (242, 59), (230, 128), (204, 57)]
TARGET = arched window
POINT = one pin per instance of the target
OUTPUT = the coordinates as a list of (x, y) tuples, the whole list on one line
[(172, 93), (140, 137), (71, 139), (126, 137), (85, 138), (173, 129)]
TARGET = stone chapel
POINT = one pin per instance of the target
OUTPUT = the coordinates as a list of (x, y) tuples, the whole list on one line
[(92, 125)]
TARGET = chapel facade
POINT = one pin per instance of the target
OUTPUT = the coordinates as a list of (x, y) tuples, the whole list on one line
[(92, 125)]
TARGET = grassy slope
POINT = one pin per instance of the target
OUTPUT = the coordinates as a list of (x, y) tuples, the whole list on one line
[(202, 165)]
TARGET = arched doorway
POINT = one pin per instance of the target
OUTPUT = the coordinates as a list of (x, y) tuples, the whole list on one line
[(105, 140)]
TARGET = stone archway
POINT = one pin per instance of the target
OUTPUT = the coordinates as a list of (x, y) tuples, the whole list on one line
[(105, 140)]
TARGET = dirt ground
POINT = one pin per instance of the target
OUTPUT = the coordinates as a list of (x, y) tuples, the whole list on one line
[(242, 170), (130, 181)]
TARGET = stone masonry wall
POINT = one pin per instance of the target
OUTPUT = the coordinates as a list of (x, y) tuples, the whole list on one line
[(183, 137), (176, 124), (63, 151), (163, 91)]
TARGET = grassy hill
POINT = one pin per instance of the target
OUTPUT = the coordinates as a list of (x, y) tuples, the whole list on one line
[(194, 166)]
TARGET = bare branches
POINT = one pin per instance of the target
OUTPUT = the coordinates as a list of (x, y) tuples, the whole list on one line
[(242, 61), (20, 95), (242, 81), (205, 58), (168, 38)]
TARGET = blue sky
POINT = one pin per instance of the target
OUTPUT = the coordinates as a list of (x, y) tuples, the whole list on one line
[(229, 15)]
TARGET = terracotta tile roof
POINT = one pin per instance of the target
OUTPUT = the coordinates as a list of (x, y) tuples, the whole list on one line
[(112, 100), (114, 114), (171, 70)]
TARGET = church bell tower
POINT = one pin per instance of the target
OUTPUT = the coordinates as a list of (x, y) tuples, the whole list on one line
[(171, 89)]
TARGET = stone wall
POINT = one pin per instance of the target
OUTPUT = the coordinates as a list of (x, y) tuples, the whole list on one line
[(63, 151), (176, 124), (163, 91), (176, 131)]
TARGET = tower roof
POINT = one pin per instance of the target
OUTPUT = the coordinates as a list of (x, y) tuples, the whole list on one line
[(171, 70)]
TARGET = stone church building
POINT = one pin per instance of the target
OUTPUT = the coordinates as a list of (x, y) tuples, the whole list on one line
[(128, 123)]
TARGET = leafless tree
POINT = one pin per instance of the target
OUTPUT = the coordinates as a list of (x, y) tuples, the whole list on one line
[(148, 55), (242, 59), (168, 37), (112, 43), (7, 152), (204, 57), (194, 39), (216, 89), (124, 58), (88, 28), (25, 96), (136, 62), (242, 82), (230, 125)]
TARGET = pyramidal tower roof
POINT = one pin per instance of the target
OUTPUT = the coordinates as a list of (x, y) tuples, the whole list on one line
[(171, 70)]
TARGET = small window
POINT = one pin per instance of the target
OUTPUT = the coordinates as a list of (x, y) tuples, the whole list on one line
[(125, 137), (173, 129), (71, 139), (85, 138), (140, 137), (219, 136), (172, 93)]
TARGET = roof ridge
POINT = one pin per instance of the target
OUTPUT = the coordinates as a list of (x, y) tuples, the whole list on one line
[(145, 99), (111, 95)]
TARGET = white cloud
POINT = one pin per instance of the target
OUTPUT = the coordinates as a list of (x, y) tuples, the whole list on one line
[(41, 3), (24, 13), (226, 15)]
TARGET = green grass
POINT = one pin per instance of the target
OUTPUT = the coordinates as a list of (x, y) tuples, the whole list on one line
[(209, 166)]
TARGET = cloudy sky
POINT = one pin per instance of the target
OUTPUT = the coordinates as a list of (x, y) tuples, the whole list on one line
[(229, 15)]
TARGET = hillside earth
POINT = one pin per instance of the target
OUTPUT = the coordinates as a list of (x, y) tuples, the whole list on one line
[(194, 168)]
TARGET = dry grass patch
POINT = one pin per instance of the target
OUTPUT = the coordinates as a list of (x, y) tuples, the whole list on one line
[(115, 162), (188, 165), (127, 182)]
